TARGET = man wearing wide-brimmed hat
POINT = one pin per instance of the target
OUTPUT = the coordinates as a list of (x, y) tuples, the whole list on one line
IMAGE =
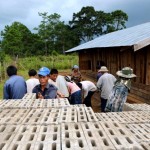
[(105, 84), (118, 96)]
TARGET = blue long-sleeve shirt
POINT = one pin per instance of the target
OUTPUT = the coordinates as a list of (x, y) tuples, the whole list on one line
[(15, 88)]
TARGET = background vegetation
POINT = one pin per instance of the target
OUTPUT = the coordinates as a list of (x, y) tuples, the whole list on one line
[(52, 34), (63, 63)]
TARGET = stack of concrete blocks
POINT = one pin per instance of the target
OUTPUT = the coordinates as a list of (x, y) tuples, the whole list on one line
[(96, 137), (125, 117), (40, 124), (137, 123), (136, 107), (7, 134), (119, 136), (13, 116), (141, 133), (60, 102), (34, 103)]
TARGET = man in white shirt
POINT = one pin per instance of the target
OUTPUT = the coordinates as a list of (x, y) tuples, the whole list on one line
[(33, 81), (59, 81), (88, 89), (105, 84)]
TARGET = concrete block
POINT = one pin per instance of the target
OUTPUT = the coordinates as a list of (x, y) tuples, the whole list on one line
[(137, 116), (35, 116), (74, 144), (90, 114), (92, 140), (29, 96), (81, 114), (119, 136), (71, 127), (53, 118), (68, 114), (91, 126), (60, 102), (98, 116), (29, 129), (5, 140), (141, 132), (107, 117), (145, 145), (15, 116), (21, 146), (52, 129), (47, 146)]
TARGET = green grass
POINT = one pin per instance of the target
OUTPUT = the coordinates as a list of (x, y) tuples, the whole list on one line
[(63, 63)]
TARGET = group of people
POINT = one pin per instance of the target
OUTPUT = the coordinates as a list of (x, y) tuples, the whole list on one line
[(48, 84), (114, 91)]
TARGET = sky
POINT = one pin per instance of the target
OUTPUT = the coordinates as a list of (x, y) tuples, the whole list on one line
[(26, 11)]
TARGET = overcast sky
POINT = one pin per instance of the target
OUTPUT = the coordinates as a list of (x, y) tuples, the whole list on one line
[(26, 11)]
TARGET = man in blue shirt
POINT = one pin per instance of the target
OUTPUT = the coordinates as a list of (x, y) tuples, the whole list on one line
[(15, 86), (44, 90)]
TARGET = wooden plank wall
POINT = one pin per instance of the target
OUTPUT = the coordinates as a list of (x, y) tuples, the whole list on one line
[(117, 58), (148, 66)]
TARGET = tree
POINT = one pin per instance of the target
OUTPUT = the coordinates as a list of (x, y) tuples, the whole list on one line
[(88, 23), (47, 31), (55, 34), (16, 39), (119, 19), (83, 23)]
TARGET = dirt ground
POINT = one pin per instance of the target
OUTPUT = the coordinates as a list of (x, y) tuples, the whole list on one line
[(96, 102)]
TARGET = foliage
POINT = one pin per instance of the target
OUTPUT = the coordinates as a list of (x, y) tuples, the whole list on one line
[(53, 61), (16, 39), (89, 23), (54, 35)]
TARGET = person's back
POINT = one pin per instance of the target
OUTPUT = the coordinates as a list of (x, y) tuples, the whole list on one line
[(74, 91), (62, 85), (15, 86), (88, 86), (107, 82), (33, 81)]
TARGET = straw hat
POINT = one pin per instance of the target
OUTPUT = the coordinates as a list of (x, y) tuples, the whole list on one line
[(103, 69), (126, 72)]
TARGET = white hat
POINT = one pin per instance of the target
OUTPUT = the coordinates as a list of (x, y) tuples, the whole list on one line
[(103, 69), (75, 67), (126, 72)]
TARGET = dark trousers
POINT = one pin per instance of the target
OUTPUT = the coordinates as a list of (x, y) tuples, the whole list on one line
[(87, 100), (76, 98), (103, 104)]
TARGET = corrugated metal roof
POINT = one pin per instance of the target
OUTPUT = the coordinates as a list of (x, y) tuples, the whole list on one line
[(137, 36)]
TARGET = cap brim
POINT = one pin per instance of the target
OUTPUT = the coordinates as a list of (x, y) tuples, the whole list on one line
[(119, 73), (42, 74)]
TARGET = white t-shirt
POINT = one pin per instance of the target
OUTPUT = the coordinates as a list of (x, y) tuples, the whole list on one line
[(105, 84), (31, 83), (88, 86), (50, 81), (60, 84)]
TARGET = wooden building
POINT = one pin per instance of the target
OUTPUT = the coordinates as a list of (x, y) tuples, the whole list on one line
[(128, 47)]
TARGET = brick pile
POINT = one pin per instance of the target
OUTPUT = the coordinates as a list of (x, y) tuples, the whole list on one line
[(33, 124)]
